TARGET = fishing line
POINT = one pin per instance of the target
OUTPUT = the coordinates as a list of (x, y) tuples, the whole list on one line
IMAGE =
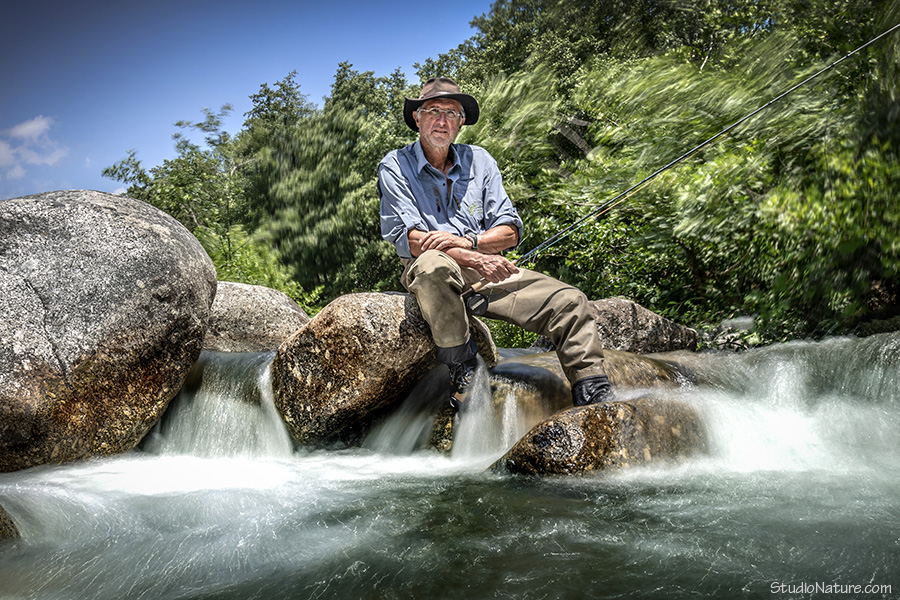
[(615, 201), (477, 302)]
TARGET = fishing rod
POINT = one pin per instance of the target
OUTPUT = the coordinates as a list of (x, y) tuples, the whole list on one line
[(477, 303)]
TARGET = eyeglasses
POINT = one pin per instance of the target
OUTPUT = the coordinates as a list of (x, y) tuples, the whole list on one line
[(435, 113)]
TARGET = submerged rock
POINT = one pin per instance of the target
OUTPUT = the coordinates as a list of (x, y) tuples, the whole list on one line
[(441, 436), (251, 318), (605, 436), (354, 359), (105, 301), (8, 529), (535, 382)]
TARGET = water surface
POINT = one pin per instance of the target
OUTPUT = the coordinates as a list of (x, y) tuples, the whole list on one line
[(801, 488)]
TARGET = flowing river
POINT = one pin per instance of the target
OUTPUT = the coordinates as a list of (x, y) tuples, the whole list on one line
[(798, 497)]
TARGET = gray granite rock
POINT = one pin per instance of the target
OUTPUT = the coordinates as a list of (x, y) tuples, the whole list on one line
[(105, 302), (627, 326), (8, 529), (251, 318)]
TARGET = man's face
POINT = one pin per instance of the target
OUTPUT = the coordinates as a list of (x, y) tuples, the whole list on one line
[(440, 131)]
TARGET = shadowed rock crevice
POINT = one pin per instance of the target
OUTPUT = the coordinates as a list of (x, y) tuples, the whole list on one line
[(61, 364)]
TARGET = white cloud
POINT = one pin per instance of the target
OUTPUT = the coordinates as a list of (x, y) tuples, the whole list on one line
[(29, 143), (33, 129), (47, 152), (7, 155)]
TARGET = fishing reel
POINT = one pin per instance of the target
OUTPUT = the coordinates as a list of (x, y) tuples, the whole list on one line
[(476, 303)]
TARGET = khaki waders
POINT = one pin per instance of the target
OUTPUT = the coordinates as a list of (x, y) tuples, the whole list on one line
[(531, 300)]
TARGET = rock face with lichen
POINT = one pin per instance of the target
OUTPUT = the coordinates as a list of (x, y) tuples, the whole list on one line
[(607, 436), (105, 302), (628, 326), (251, 318), (353, 359)]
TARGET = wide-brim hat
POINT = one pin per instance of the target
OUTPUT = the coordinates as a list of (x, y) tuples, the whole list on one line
[(440, 87)]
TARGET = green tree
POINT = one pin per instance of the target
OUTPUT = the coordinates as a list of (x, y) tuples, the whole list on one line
[(275, 111), (783, 218), (321, 201), (206, 190), (790, 216), (201, 187)]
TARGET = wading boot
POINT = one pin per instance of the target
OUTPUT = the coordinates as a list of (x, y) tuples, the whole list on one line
[(462, 361), (592, 390), (461, 375)]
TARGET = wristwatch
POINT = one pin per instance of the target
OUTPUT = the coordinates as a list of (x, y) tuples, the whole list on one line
[(474, 239)]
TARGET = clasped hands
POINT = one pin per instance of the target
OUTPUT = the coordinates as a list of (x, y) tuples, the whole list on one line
[(493, 267)]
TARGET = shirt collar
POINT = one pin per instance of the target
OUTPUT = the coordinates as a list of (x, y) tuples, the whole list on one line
[(421, 161)]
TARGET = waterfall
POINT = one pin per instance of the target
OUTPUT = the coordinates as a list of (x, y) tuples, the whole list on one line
[(224, 409), (790, 406), (491, 422), (829, 405)]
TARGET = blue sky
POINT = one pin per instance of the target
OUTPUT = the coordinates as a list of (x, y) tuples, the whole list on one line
[(83, 82)]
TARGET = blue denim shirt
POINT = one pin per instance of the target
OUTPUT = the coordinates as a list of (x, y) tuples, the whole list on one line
[(415, 195)]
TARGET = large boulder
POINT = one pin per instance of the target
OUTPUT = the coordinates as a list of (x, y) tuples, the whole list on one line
[(610, 435), (105, 302), (355, 358), (251, 318), (627, 326)]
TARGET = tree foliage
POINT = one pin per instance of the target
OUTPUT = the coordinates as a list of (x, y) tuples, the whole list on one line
[(790, 216)]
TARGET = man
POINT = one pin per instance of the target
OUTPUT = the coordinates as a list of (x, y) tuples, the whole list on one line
[(444, 208)]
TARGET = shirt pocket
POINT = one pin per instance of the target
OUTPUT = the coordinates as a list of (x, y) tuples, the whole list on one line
[(472, 207)]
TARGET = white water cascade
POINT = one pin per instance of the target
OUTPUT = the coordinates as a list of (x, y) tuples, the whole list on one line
[(801, 487)]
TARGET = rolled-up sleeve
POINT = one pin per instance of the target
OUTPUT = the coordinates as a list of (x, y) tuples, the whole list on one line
[(498, 208), (399, 214)]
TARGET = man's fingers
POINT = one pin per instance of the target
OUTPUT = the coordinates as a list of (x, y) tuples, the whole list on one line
[(497, 268), (438, 240), (429, 242)]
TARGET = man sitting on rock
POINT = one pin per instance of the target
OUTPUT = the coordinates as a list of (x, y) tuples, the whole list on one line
[(444, 208)]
